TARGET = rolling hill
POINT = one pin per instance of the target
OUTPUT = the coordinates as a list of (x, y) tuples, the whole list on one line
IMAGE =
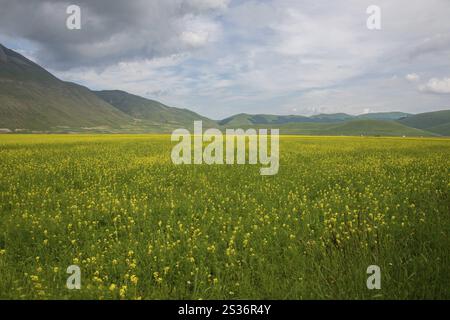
[(437, 122), (151, 112), (244, 119), (375, 128), (383, 116), (249, 119), (331, 117), (346, 128)]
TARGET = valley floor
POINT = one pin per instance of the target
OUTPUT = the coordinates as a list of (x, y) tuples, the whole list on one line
[(140, 227)]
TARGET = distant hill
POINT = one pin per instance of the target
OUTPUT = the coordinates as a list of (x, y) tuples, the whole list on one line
[(347, 128), (383, 116), (370, 124), (244, 119), (334, 117), (152, 112), (443, 129), (375, 128), (32, 98), (437, 122)]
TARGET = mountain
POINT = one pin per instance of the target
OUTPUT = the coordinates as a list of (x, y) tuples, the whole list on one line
[(375, 128), (334, 117), (383, 116), (370, 124), (151, 112), (437, 121), (346, 128), (32, 98), (244, 119)]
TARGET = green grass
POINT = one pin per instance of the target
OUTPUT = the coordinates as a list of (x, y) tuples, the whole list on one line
[(116, 206)]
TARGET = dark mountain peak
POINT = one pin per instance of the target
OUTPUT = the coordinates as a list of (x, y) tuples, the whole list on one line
[(31, 98), (15, 66), (3, 56), (14, 57), (114, 91)]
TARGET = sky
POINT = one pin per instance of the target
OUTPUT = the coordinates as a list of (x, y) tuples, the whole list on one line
[(223, 57)]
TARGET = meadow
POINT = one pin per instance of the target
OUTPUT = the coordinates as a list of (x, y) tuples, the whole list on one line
[(141, 227)]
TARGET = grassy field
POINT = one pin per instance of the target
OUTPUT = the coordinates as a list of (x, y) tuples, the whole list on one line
[(140, 227)]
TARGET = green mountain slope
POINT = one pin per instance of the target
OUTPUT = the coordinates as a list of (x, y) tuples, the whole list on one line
[(375, 128), (237, 120), (32, 98), (437, 121), (346, 128), (244, 119), (443, 129), (151, 112), (334, 117), (383, 116)]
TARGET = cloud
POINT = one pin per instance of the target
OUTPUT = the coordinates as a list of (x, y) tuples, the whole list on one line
[(198, 31), (220, 57), (112, 31), (434, 44), (439, 86), (412, 77)]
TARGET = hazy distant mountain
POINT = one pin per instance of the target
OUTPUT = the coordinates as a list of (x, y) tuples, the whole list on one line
[(375, 128), (384, 116), (346, 128), (371, 124), (248, 119), (334, 117), (243, 119)]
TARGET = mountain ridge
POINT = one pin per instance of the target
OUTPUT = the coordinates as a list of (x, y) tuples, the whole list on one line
[(150, 110), (33, 99)]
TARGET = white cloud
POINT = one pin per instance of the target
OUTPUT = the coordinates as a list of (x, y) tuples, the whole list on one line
[(194, 39), (221, 57), (434, 85), (112, 31), (198, 31), (412, 77)]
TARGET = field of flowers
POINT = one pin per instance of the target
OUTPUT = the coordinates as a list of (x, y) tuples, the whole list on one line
[(140, 227)]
